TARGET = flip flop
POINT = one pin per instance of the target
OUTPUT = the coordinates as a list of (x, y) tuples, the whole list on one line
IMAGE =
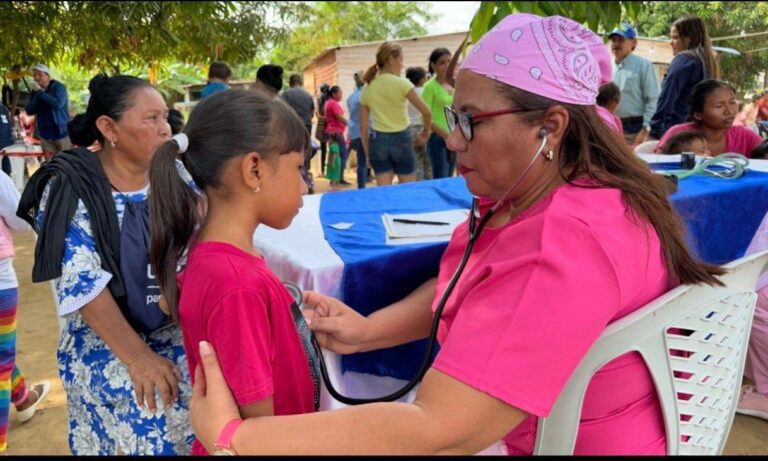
[(27, 414)]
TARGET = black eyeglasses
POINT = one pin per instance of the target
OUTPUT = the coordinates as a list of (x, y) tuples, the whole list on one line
[(466, 121)]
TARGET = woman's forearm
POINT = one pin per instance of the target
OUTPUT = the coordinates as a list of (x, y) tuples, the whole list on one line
[(389, 428), (404, 321), (105, 318), (447, 417)]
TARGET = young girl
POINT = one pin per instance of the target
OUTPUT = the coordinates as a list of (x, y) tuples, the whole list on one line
[(245, 151)]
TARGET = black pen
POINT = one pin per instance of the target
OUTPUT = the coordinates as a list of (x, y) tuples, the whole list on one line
[(413, 221)]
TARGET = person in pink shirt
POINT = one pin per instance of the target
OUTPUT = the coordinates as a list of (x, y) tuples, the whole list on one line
[(336, 125), (244, 151), (609, 97), (713, 109), (574, 233)]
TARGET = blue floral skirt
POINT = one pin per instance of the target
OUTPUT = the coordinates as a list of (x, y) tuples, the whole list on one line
[(103, 416)]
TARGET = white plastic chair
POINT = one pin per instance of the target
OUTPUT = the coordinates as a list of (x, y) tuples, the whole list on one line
[(646, 147), (698, 389)]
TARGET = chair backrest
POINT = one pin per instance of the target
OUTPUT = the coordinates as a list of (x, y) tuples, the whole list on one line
[(646, 147), (693, 340)]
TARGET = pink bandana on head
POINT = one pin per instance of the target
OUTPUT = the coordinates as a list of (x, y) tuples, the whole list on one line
[(553, 57)]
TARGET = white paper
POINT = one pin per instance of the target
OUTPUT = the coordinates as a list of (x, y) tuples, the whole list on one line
[(758, 165), (406, 233), (342, 225), (666, 158)]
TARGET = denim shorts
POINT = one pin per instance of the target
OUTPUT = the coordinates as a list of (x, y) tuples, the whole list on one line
[(393, 151)]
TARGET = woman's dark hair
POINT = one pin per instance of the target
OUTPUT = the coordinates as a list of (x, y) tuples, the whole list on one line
[(694, 30), (220, 70), (415, 74), (608, 93), (223, 126), (699, 94), (590, 148), (681, 142), (295, 80), (271, 76), (760, 151), (437, 53), (325, 93), (176, 120), (334, 89), (110, 96)]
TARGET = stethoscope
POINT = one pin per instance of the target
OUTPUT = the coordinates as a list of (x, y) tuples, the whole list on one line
[(475, 230)]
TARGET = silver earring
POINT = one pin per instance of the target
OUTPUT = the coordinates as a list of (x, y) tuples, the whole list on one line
[(258, 189), (549, 155), (112, 141)]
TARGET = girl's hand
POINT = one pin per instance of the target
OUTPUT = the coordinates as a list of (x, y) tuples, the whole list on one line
[(149, 371), (337, 327), (212, 405)]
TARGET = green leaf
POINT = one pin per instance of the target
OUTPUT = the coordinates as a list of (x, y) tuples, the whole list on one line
[(502, 12), (480, 23)]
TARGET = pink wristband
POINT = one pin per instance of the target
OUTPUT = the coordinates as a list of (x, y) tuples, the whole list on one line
[(225, 438)]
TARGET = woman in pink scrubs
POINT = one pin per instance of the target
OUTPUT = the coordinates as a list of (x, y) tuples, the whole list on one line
[(582, 234)]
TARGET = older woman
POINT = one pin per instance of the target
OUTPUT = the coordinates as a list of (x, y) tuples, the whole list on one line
[(568, 212), (121, 363)]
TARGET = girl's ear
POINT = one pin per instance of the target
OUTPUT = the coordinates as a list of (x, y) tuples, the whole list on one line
[(252, 170)]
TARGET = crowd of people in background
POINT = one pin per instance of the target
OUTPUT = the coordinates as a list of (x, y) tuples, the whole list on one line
[(396, 123)]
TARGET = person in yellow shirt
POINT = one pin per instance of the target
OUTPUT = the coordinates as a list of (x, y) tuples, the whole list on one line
[(388, 149)]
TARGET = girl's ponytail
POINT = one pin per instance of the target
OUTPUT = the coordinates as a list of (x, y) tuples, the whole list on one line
[(173, 218), (221, 127), (370, 74)]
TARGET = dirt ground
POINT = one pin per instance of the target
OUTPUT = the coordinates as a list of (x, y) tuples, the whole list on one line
[(37, 340)]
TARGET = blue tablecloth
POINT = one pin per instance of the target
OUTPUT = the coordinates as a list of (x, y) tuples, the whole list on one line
[(722, 217)]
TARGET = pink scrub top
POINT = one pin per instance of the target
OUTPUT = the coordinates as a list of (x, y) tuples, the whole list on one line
[(536, 294)]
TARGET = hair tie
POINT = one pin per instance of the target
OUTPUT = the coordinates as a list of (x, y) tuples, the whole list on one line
[(182, 141), (187, 177)]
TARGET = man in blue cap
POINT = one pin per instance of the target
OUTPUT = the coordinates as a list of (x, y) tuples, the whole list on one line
[(50, 103), (638, 84)]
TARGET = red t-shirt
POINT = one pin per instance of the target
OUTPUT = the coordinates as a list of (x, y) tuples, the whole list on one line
[(231, 299), (333, 125)]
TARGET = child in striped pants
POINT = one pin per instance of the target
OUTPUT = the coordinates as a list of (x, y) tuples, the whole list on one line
[(13, 388)]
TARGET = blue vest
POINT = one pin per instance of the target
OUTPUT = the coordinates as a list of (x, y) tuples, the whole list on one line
[(141, 305)]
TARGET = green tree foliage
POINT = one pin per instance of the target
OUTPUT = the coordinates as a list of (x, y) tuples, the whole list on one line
[(723, 19), (110, 35), (340, 23), (598, 16)]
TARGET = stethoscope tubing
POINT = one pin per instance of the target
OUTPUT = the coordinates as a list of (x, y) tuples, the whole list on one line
[(474, 233)]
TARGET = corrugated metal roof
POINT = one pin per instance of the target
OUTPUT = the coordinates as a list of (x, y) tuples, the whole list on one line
[(352, 45)]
